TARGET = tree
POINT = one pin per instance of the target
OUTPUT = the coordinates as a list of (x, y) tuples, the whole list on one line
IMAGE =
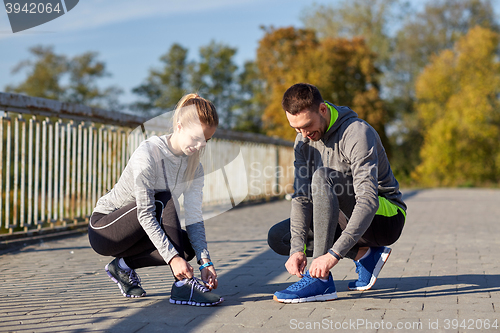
[(48, 72), (164, 87), (402, 53), (44, 74), (84, 70), (250, 107), (214, 77), (372, 20), (458, 106), (342, 69), (277, 56), (425, 33)]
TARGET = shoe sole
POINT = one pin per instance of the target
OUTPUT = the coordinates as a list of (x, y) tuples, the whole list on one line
[(106, 268), (322, 298), (195, 303), (378, 267)]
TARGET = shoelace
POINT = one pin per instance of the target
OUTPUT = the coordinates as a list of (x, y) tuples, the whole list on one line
[(134, 278), (358, 265), (305, 281), (195, 283)]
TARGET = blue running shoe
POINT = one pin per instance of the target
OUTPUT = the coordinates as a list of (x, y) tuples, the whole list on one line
[(369, 268), (308, 289)]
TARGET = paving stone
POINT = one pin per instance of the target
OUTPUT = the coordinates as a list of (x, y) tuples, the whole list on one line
[(441, 268)]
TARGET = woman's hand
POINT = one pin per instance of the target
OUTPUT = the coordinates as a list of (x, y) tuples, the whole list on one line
[(181, 268), (209, 276)]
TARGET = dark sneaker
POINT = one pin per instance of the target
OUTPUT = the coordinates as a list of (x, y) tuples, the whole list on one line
[(369, 268), (308, 289), (128, 280), (193, 292)]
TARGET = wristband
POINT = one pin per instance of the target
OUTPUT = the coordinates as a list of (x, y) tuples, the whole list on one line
[(334, 254), (206, 265)]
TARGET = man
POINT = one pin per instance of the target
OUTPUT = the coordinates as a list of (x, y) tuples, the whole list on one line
[(344, 186)]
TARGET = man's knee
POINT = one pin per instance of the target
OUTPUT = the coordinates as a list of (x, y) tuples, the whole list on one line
[(326, 175), (278, 237), (326, 179)]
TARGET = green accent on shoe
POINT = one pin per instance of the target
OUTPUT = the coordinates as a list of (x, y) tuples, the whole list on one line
[(193, 292), (128, 280)]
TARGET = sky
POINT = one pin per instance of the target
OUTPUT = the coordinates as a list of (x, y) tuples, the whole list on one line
[(131, 35)]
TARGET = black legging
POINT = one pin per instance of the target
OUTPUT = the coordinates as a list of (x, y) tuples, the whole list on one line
[(119, 234)]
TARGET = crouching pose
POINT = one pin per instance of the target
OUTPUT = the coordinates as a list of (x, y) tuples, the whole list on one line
[(346, 203), (137, 221)]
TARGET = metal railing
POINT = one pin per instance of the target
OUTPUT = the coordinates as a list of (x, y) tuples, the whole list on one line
[(57, 159)]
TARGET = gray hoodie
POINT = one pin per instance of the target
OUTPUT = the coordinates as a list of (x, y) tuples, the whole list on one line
[(353, 147)]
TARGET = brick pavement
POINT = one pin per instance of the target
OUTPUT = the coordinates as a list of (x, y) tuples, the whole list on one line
[(444, 267)]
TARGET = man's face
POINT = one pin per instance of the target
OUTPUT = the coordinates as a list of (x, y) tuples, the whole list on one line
[(310, 124)]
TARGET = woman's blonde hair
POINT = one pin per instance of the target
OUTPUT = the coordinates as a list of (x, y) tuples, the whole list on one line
[(203, 112)]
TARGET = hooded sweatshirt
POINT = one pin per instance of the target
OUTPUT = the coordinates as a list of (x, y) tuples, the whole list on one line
[(153, 168), (353, 147)]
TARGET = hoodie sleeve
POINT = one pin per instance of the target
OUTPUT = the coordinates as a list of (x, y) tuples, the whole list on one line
[(360, 147), (195, 227), (301, 214)]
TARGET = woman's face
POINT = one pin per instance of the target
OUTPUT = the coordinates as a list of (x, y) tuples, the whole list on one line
[(192, 138)]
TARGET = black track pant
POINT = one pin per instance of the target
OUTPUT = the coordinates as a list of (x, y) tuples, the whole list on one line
[(119, 234)]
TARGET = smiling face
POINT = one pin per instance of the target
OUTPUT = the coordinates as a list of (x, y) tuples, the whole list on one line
[(191, 138), (310, 124)]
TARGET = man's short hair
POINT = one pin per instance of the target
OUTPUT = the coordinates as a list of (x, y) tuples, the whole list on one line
[(301, 96)]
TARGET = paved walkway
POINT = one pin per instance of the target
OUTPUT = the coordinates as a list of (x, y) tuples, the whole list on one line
[(443, 275)]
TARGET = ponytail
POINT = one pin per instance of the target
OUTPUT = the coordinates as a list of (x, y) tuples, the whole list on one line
[(205, 114)]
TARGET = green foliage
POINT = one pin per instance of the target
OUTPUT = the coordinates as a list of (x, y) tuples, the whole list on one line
[(164, 87), (251, 104), (48, 72), (214, 77), (459, 111)]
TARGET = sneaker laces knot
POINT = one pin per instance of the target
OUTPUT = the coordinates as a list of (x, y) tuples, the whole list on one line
[(134, 278), (198, 285)]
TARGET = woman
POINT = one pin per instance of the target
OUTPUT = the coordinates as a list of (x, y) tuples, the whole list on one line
[(137, 223)]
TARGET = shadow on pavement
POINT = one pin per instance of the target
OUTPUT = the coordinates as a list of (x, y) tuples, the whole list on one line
[(434, 286), (247, 282)]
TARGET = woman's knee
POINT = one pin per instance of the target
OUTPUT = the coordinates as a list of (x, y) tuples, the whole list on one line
[(164, 197)]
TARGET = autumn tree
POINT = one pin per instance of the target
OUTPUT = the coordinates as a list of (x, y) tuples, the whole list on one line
[(59, 77), (372, 20), (278, 55), (459, 110), (404, 39), (342, 69), (424, 34)]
